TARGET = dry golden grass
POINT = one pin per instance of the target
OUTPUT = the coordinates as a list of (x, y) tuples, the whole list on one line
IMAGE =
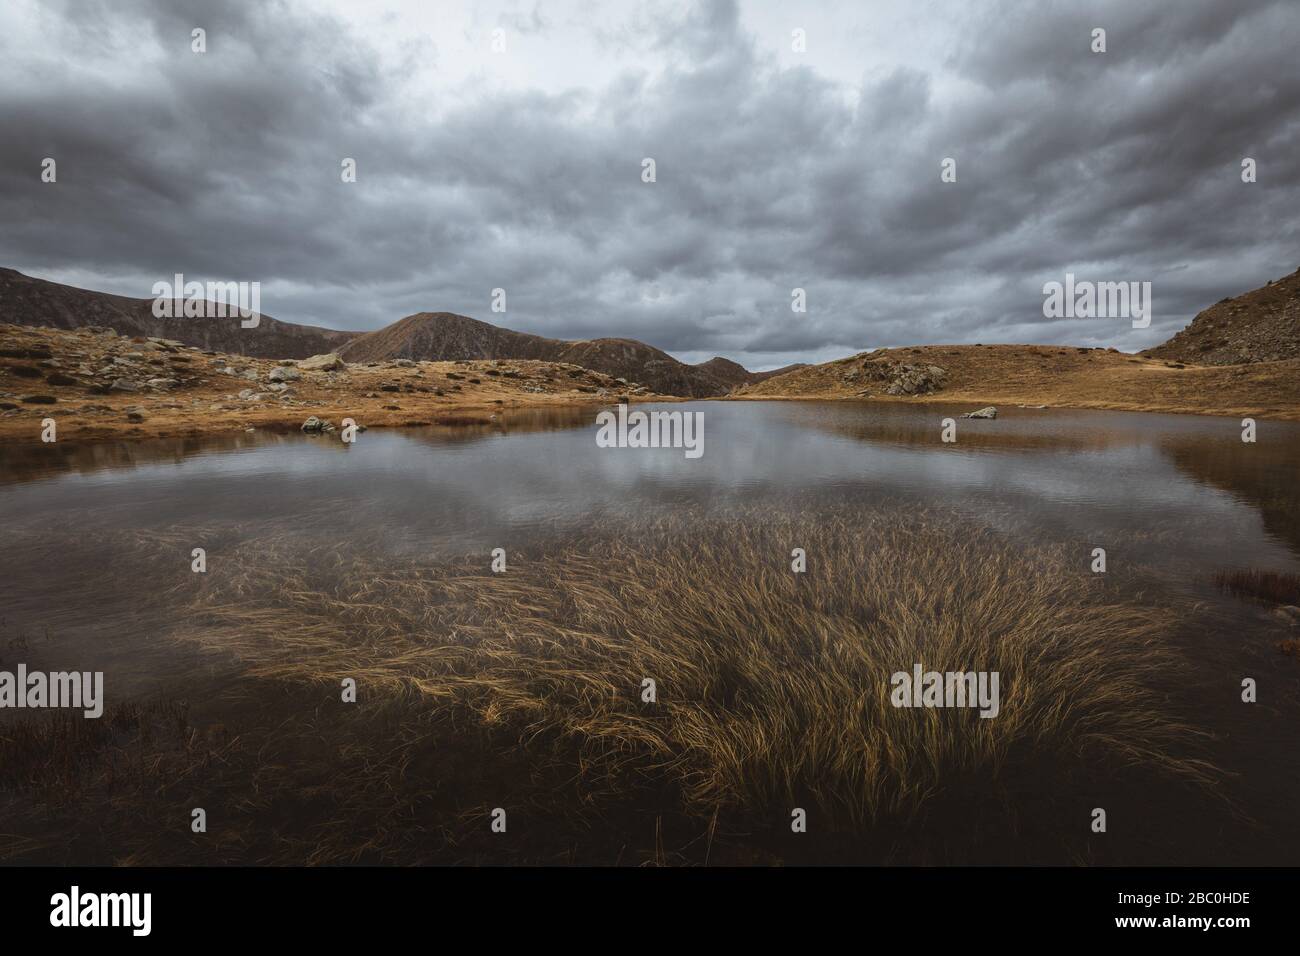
[(431, 393), (1061, 376), (772, 686)]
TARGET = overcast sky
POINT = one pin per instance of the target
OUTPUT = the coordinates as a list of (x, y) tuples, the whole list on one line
[(522, 169)]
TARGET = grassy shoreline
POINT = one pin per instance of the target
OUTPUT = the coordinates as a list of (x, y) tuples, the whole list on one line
[(206, 393)]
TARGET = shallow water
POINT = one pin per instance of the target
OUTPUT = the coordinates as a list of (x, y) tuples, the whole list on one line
[(1064, 473), (1172, 499)]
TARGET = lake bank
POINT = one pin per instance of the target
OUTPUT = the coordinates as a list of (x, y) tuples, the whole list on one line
[(98, 387), (1046, 376)]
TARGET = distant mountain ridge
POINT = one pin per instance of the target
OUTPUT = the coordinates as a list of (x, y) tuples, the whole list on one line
[(446, 335), (28, 301), (435, 336)]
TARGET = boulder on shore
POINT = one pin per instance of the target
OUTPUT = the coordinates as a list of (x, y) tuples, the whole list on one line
[(987, 412), (322, 363)]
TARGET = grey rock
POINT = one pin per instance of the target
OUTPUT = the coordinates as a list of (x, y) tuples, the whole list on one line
[(322, 363)]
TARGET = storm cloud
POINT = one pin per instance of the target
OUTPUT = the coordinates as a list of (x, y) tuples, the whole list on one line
[(521, 168)]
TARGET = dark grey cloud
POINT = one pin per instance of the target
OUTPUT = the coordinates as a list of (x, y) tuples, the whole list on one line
[(226, 165)]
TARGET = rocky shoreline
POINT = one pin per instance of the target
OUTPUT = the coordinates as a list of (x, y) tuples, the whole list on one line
[(97, 384)]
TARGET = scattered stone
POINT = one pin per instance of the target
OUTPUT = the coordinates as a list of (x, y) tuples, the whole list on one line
[(285, 373), (315, 426), (123, 385), (987, 412), (322, 363)]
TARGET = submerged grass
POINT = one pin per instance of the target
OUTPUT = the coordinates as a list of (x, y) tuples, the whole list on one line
[(773, 686), (523, 690), (1279, 587)]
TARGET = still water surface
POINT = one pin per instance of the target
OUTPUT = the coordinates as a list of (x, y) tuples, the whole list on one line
[(1174, 499)]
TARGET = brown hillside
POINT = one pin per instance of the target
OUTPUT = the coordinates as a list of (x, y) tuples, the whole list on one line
[(1048, 375), (36, 302), (1259, 326), (445, 336), (425, 336), (727, 372), (97, 384), (636, 361), (442, 336), (733, 374)]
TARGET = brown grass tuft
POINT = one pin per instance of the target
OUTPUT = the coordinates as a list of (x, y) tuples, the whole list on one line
[(773, 686), (1275, 586)]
